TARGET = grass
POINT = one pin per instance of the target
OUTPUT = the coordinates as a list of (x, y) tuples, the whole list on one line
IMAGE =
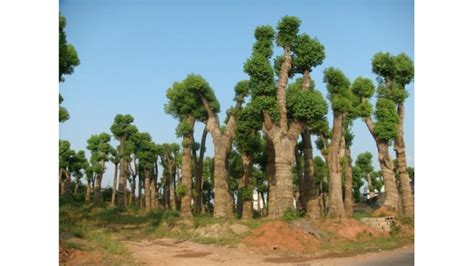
[(86, 228)]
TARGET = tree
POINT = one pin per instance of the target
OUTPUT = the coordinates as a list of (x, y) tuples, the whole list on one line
[(394, 73), (68, 59), (187, 108), (100, 151), (366, 170), (347, 164), (90, 180), (321, 179), (65, 157), (222, 138), (122, 129), (283, 113), (79, 163), (147, 154), (338, 86), (384, 130)]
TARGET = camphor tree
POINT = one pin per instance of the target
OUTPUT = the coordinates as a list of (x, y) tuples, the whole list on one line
[(68, 59), (198, 168), (283, 113), (187, 108), (168, 153), (90, 180), (394, 73), (384, 130), (122, 129), (100, 151), (222, 138), (147, 154), (115, 159), (65, 157), (338, 86), (78, 164), (347, 165)]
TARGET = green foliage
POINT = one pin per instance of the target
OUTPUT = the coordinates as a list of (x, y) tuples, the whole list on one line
[(247, 138), (290, 214), (261, 81), (122, 126), (305, 105), (65, 153), (246, 193), (146, 152), (383, 65), (197, 84), (63, 113), (404, 69), (363, 87), (338, 86), (309, 53), (68, 58), (180, 190), (241, 88), (288, 28), (387, 120), (320, 169), (264, 36), (100, 151)]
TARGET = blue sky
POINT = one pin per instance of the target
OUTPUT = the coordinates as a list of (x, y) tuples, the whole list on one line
[(132, 51)]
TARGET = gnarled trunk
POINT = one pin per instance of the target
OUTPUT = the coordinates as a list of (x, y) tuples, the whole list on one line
[(335, 204), (405, 186), (247, 209), (348, 200), (186, 181), (392, 199), (114, 186)]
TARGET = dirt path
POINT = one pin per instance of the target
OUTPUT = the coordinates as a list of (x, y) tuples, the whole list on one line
[(175, 252)]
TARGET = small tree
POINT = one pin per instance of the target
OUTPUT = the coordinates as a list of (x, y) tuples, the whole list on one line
[(147, 154), (78, 164), (100, 151), (65, 157), (122, 129)]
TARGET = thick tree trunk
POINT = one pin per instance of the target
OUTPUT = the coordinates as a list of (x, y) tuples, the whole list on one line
[(97, 192), (223, 200), (123, 176), (405, 186), (147, 191), (240, 202), (392, 199), (186, 211), (247, 209), (132, 188), (199, 182), (335, 204), (173, 200), (284, 157), (114, 186), (348, 201), (88, 191)]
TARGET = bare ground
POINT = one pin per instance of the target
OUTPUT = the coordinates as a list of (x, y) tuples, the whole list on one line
[(174, 252)]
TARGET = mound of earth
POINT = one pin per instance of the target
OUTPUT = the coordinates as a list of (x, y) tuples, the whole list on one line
[(348, 228), (220, 230), (281, 236)]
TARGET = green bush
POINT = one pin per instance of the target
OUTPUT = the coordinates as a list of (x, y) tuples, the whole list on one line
[(290, 214)]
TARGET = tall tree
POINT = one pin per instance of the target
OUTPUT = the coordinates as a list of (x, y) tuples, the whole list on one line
[(394, 73), (68, 59), (187, 108), (147, 153), (90, 179), (283, 113), (347, 171), (338, 86), (122, 129), (222, 138), (384, 130), (100, 151)]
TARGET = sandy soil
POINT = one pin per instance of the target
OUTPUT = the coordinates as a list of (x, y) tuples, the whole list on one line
[(175, 252)]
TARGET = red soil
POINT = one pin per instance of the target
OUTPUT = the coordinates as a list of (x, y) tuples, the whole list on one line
[(281, 236), (348, 228)]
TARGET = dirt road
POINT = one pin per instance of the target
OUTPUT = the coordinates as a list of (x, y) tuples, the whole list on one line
[(174, 252)]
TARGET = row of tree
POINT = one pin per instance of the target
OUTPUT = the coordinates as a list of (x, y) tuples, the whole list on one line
[(265, 142)]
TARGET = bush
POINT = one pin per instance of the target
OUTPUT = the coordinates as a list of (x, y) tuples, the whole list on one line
[(290, 214)]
